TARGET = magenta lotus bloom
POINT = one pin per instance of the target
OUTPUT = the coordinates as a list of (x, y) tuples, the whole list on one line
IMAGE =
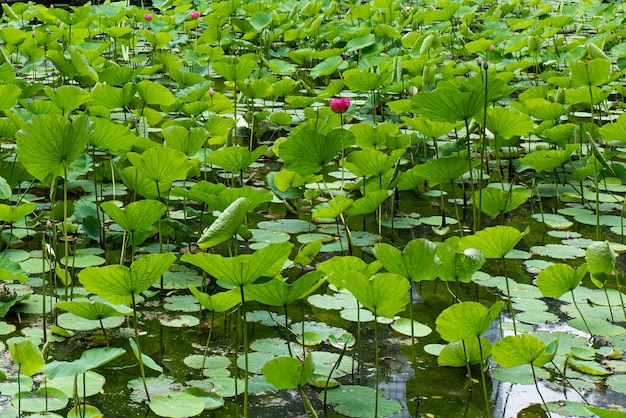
[(340, 105), (195, 15), (148, 16)]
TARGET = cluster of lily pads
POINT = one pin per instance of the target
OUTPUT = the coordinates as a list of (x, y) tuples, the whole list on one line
[(204, 165)]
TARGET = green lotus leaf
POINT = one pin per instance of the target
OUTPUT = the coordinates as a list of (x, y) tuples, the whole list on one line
[(493, 242), (243, 269), (416, 262), (288, 372), (495, 201), (137, 216), (466, 320), (226, 224), (558, 279), (48, 144), (515, 350), (385, 294), (120, 284), (26, 355), (277, 292)]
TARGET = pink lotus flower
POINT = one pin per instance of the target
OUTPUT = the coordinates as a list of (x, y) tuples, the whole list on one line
[(340, 105), (195, 15), (148, 16), (211, 91)]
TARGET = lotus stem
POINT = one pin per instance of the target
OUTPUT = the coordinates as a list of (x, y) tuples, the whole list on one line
[(580, 313), (288, 332), (619, 291), (562, 373), (141, 366), (377, 361), (482, 375), (508, 295), (467, 363), (245, 353), (306, 403), (532, 367), (206, 346)]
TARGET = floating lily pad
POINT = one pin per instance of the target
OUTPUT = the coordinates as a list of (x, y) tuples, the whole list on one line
[(562, 252), (522, 375), (583, 353), (179, 277), (211, 401), (210, 362), (158, 386), (553, 221), (84, 411), (256, 361), (181, 303), (403, 326), (43, 399), (266, 318), (288, 226), (436, 220), (268, 236), (319, 327), (181, 321), (325, 361), (401, 223), (307, 238), (604, 220), (537, 317), (529, 304), (225, 386), (364, 239), (338, 245), (516, 254), (597, 326), (359, 401), (309, 339), (355, 315), (275, 346), (9, 387), (83, 261), (337, 301), (176, 405), (575, 211), (535, 266), (588, 367), (568, 408), (76, 323), (564, 234), (6, 328), (94, 383), (617, 383), (16, 255), (35, 266)]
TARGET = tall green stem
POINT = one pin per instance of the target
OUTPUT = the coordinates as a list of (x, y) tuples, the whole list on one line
[(482, 375), (508, 295), (538, 391), (66, 243), (377, 363), (245, 353), (139, 355)]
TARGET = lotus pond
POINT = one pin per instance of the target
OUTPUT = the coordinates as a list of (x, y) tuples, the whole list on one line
[(313, 208)]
